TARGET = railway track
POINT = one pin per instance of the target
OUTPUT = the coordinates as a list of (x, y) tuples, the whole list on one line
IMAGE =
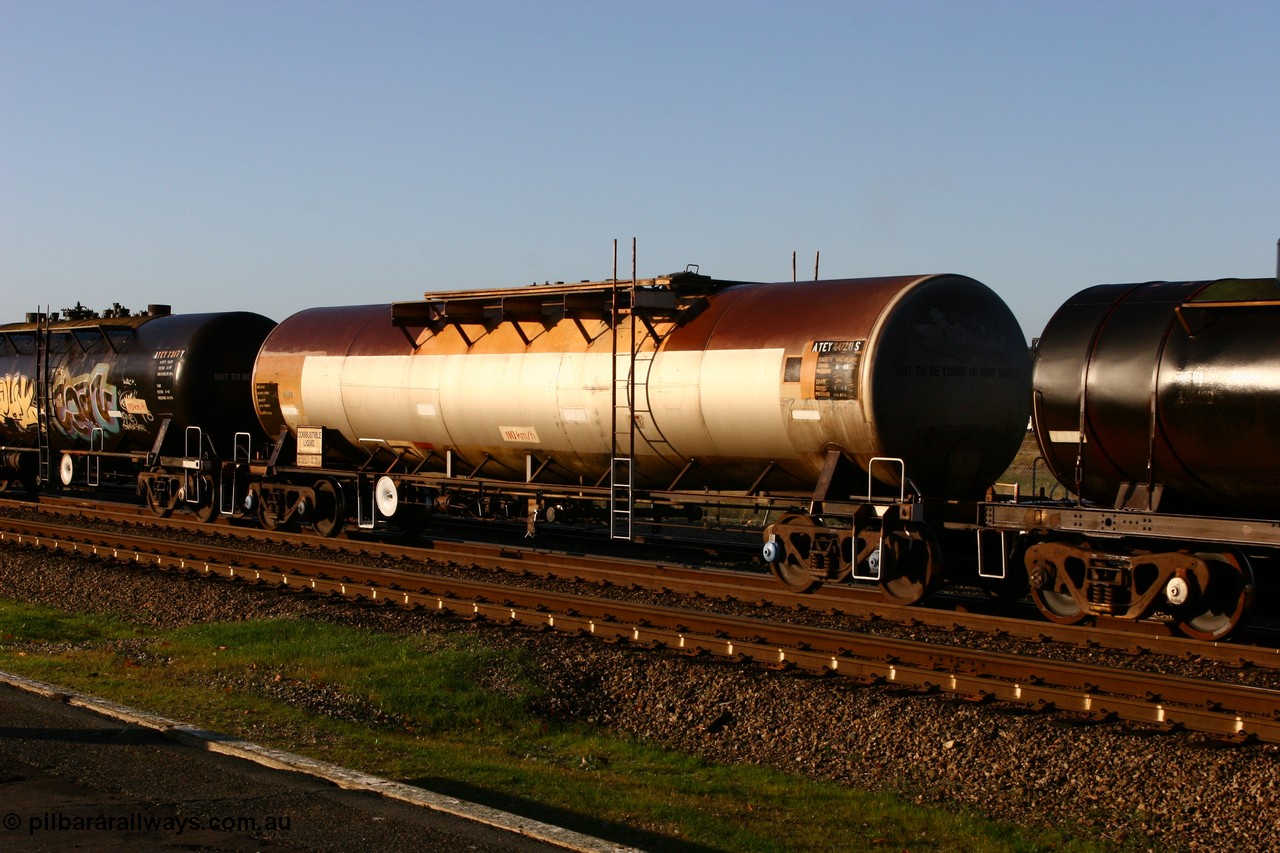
[(1098, 691), (745, 586)]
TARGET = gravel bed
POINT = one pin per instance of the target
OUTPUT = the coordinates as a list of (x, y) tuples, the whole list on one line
[(1160, 791)]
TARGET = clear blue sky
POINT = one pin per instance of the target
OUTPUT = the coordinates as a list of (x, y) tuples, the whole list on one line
[(279, 155)]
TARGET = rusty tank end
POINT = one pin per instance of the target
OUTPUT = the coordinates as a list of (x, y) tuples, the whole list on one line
[(728, 381), (1165, 395)]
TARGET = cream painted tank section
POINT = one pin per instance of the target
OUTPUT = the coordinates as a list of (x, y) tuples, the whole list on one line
[(583, 399), (732, 404), (497, 404), (386, 398)]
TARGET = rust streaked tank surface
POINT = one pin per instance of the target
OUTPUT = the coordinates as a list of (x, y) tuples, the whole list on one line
[(1165, 395), (738, 379)]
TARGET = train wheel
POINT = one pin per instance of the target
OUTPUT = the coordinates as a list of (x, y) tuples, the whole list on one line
[(1225, 601), (330, 513), (1052, 586), (1057, 606), (909, 560), (792, 565), (207, 509)]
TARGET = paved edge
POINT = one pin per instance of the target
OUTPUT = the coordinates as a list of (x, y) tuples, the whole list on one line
[(340, 776)]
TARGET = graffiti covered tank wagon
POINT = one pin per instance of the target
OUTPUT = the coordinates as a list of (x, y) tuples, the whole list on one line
[(123, 386)]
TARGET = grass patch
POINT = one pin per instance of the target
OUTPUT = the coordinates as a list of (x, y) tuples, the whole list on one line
[(451, 713), (30, 623)]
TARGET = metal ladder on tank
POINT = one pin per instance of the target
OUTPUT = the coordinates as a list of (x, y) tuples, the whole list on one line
[(622, 446), (44, 333), (632, 409)]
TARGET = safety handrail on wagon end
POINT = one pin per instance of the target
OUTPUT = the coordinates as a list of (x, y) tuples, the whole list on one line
[(902, 474)]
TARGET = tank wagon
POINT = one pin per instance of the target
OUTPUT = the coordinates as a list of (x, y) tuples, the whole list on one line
[(664, 391), (1158, 405), (150, 400), (869, 418)]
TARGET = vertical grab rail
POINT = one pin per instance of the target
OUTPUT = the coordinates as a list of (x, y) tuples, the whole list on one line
[(241, 453), (44, 399), (191, 479), (902, 474), (621, 467), (93, 464)]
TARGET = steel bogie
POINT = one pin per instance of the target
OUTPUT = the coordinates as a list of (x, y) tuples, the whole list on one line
[(800, 552), (321, 504), (160, 492), (280, 503), (1206, 595), (885, 546)]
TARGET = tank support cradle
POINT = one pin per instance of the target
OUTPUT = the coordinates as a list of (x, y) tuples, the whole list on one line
[(1207, 594)]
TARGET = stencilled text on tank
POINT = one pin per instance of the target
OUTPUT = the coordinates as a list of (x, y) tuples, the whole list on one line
[(962, 349), (84, 402), (18, 400), (836, 373), (166, 367)]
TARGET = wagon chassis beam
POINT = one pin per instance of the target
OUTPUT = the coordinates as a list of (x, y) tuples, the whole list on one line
[(1112, 523)]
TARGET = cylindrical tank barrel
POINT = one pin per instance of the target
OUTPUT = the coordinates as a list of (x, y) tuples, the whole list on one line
[(1165, 395), (741, 381), (113, 381)]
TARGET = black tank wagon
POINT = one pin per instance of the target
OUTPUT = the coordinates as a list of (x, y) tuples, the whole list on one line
[(125, 398), (1165, 395), (1158, 405)]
